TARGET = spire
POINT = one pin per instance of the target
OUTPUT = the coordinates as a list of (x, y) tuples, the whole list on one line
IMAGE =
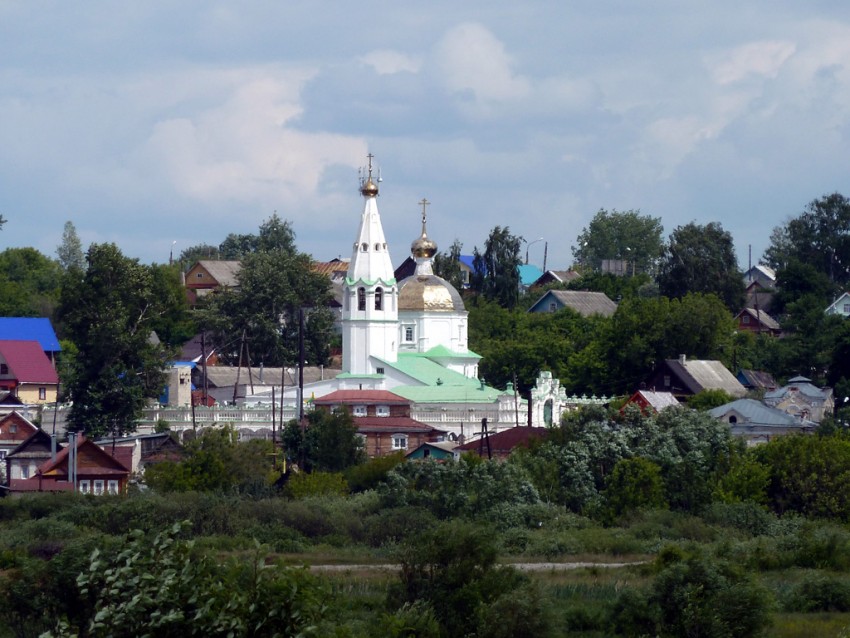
[(370, 259)]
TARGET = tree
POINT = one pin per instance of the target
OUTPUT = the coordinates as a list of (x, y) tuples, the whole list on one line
[(198, 252), (626, 235), (701, 259), (275, 235), (108, 312), (328, 443), (215, 461), (447, 265), (29, 283), (70, 251), (262, 317), (495, 274), (819, 237)]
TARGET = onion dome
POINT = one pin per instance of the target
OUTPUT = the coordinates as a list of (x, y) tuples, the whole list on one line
[(369, 188), (428, 293), (423, 247)]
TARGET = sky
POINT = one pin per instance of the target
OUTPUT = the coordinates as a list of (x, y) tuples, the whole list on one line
[(160, 125)]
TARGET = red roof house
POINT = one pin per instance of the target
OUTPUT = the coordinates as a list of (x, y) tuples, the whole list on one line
[(383, 419), (501, 444), (26, 372)]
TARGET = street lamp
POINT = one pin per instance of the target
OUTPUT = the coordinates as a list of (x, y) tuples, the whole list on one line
[(528, 245), (171, 253)]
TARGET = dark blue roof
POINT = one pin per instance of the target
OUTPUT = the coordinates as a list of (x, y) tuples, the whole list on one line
[(30, 329)]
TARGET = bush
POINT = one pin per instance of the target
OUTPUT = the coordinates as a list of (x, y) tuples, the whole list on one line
[(818, 593), (303, 485)]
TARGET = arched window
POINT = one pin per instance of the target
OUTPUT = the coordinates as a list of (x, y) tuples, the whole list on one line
[(733, 419), (379, 299), (364, 247), (361, 298)]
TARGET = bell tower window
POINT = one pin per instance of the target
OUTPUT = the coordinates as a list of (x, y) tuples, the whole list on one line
[(361, 298), (379, 299)]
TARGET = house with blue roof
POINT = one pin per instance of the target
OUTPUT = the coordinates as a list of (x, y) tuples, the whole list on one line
[(31, 329)]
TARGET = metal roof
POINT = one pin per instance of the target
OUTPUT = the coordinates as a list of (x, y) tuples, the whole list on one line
[(30, 329), (27, 362)]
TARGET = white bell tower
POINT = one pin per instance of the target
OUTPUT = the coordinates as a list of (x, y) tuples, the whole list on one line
[(370, 301)]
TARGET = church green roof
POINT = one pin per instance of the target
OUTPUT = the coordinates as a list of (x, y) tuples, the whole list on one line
[(442, 352)]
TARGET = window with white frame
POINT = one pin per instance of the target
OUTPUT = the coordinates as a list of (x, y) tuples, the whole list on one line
[(112, 486), (408, 334), (98, 487), (85, 487), (42, 394), (25, 471), (382, 410), (359, 410), (399, 441)]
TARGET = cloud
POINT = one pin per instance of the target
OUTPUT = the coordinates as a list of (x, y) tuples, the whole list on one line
[(387, 62), (755, 59), (470, 59)]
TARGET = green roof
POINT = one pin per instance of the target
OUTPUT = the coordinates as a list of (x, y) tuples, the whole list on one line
[(448, 393), (442, 352), (427, 372)]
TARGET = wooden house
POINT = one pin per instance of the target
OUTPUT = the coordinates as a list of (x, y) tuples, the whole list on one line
[(14, 430), (683, 378), (27, 373), (501, 444), (757, 321), (651, 401)]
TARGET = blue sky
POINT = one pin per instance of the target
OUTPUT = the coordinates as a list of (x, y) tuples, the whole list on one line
[(147, 123)]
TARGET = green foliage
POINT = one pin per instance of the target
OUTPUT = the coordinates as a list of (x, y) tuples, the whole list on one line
[(199, 252), (29, 283), (304, 485), (447, 265), (369, 475), (819, 593), (488, 490), (161, 587), (626, 235), (634, 483), (709, 399), (215, 461), (495, 273), (809, 475), (817, 238), (453, 569), (261, 318), (328, 443), (701, 259), (109, 312)]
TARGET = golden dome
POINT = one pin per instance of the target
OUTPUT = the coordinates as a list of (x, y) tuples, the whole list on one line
[(369, 188), (423, 247), (428, 293)]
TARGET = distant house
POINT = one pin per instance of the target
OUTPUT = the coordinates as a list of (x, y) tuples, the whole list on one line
[(760, 286), (437, 450), (583, 302), (197, 348), (97, 471), (23, 461), (14, 430), (684, 378), (208, 275), (840, 306), (757, 321), (556, 277), (801, 399), (31, 329), (143, 450), (27, 373), (335, 269), (758, 423), (528, 274), (382, 419), (652, 402), (756, 380), (501, 444)]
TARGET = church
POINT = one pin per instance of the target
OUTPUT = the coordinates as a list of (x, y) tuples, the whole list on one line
[(409, 337)]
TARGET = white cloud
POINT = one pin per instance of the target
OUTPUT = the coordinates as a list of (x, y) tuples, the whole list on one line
[(469, 58), (387, 62), (760, 59)]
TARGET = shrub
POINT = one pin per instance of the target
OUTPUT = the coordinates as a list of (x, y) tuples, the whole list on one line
[(303, 485), (818, 593)]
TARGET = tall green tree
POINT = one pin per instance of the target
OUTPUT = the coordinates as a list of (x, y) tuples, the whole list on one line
[(701, 258), (819, 237), (70, 251), (327, 443), (495, 273), (109, 312), (626, 235)]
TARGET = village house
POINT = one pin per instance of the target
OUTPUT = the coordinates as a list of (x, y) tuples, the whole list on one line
[(801, 399), (684, 378), (26, 372), (14, 430), (583, 302)]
